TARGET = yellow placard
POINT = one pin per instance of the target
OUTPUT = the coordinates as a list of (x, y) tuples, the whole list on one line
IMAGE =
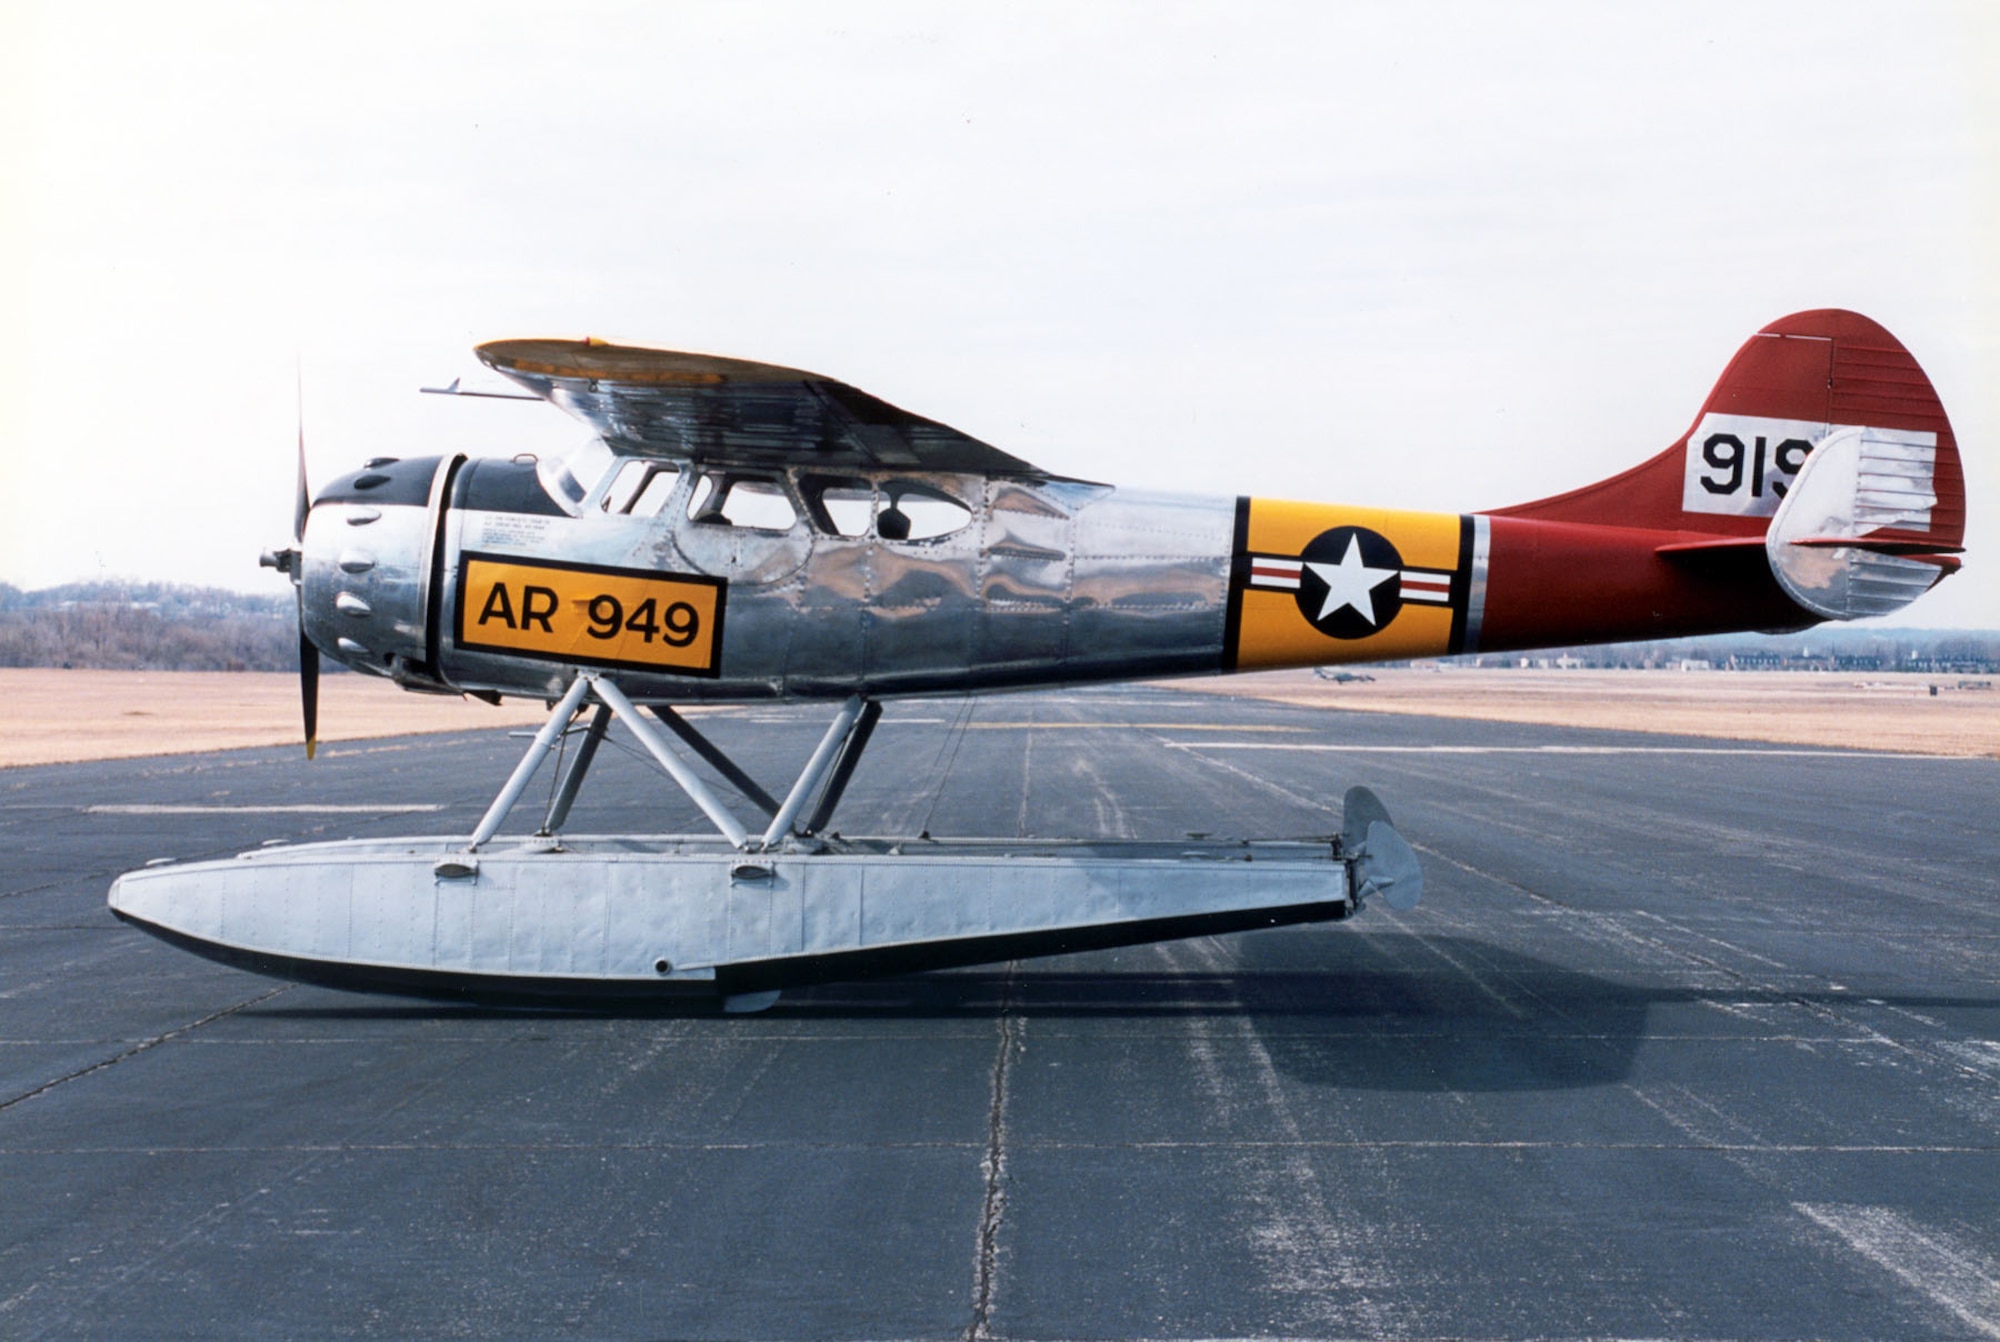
[(590, 615), (1315, 584)]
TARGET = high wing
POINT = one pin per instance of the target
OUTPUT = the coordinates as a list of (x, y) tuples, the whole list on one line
[(732, 412)]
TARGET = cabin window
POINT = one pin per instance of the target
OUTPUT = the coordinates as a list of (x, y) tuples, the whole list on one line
[(641, 488), (894, 510), (840, 505), (722, 499), (918, 512)]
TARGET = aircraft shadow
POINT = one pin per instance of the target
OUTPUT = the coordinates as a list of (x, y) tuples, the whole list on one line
[(1391, 1011)]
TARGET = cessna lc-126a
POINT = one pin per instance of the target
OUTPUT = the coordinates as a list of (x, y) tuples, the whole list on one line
[(735, 531)]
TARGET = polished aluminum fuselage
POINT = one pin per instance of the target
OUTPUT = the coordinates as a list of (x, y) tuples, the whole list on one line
[(1049, 582)]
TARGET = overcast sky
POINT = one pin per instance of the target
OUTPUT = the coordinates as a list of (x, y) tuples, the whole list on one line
[(1418, 255)]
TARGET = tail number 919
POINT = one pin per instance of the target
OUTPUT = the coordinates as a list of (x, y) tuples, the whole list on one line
[(1744, 465)]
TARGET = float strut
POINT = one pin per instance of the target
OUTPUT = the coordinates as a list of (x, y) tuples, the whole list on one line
[(722, 764), (538, 750), (815, 770), (656, 746), (572, 778), (843, 768)]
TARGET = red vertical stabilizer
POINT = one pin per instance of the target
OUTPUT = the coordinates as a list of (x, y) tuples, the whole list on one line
[(1821, 370), (1677, 545)]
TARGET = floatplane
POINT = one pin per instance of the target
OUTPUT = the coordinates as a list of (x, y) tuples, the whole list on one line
[(737, 532)]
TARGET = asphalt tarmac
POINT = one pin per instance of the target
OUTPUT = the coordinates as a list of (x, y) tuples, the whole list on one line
[(1688, 1039)]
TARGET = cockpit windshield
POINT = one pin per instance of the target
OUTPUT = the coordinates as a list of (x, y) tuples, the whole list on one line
[(570, 477)]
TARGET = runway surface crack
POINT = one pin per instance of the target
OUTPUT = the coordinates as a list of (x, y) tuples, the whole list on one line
[(142, 1046), (993, 1168)]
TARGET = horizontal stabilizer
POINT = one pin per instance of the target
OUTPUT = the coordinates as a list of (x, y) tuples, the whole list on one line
[(1710, 545), (1852, 537)]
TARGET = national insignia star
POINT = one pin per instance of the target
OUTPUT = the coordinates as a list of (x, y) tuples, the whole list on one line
[(1351, 582)]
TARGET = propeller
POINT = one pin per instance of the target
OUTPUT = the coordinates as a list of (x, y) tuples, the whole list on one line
[(291, 563), (303, 503), (308, 650)]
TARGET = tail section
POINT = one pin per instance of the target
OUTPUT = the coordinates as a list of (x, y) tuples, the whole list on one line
[(1820, 480), (1792, 385)]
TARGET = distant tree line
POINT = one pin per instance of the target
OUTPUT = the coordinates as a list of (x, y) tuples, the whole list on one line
[(147, 627), (1827, 648)]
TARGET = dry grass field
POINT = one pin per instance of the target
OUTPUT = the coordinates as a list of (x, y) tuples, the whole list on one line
[(50, 717), (1871, 711)]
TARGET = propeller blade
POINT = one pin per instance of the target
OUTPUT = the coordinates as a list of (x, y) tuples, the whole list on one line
[(303, 504), (309, 690)]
